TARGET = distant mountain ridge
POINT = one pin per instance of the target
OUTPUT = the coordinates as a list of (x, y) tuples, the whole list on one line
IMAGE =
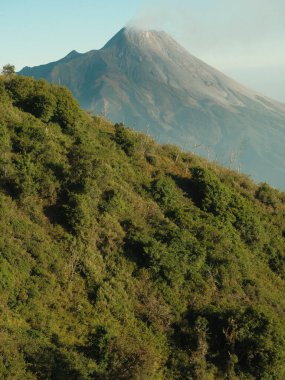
[(151, 83)]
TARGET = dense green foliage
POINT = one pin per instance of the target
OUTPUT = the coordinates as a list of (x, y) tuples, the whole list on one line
[(124, 259)]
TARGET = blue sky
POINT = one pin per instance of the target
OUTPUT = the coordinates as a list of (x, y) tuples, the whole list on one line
[(38, 31), (243, 38)]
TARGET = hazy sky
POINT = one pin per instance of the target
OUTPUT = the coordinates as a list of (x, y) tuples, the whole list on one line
[(243, 38)]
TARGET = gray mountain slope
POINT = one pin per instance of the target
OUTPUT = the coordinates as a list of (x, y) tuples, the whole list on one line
[(151, 83)]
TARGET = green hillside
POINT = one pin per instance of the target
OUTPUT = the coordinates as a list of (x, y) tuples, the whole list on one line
[(124, 259)]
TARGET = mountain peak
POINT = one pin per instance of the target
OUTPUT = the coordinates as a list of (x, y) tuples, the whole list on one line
[(139, 37), (71, 55)]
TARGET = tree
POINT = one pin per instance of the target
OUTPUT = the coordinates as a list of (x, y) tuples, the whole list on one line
[(8, 69)]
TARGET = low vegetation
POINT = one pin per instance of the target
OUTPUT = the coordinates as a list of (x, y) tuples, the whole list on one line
[(124, 259)]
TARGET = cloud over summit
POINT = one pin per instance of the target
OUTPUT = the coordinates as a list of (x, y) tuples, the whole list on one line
[(224, 32)]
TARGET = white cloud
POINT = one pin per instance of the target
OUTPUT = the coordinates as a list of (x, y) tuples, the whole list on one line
[(225, 33)]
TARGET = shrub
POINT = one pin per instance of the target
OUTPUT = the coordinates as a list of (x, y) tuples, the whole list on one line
[(209, 193), (123, 138)]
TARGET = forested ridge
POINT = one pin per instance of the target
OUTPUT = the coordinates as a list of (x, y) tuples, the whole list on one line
[(124, 259)]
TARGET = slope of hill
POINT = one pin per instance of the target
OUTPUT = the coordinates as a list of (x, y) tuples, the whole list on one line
[(124, 259), (149, 82)]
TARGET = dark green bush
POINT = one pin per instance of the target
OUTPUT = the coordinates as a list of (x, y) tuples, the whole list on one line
[(209, 193), (123, 139)]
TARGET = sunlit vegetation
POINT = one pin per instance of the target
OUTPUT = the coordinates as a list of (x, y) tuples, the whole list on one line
[(124, 259)]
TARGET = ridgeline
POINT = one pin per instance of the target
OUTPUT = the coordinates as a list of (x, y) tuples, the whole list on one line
[(124, 259)]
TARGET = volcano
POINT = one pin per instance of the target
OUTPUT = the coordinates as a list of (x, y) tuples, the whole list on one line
[(146, 80)]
